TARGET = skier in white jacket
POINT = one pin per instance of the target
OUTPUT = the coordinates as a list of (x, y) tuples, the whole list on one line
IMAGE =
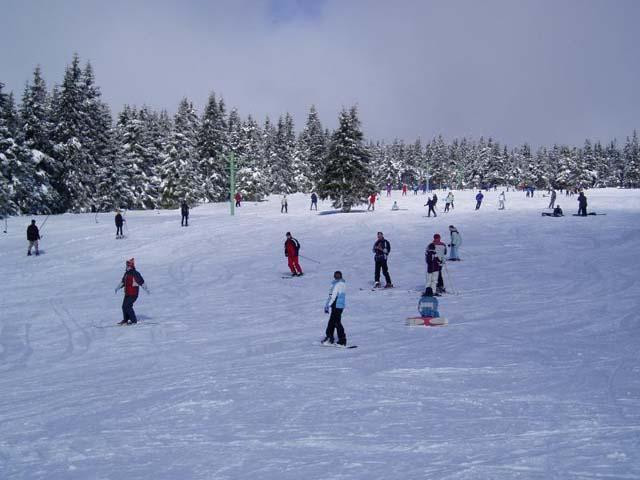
[(456, 241)]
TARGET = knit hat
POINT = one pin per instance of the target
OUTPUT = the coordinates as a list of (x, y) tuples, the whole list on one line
[(436, 236), (131, 263)]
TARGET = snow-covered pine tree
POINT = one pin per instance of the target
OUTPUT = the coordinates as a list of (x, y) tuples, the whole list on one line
[(179, 172), (281, 157), (615, 163), (631, 156), (313, 147), (347, 179), (212, 142), (251, 181)]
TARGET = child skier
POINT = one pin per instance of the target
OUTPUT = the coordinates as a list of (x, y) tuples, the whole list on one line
[(131, 281), (456, 241), (428, 308), (33, 235), (336, 302)]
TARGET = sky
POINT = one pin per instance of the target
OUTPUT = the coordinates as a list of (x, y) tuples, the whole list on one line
[(519, 71)]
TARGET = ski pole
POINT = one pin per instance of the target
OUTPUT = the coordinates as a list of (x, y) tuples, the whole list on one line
[(311, 259)]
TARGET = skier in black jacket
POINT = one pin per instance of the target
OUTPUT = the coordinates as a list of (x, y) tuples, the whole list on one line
[(119, 222), (33, 235), (381, 249), (184, 209), (582, 205)]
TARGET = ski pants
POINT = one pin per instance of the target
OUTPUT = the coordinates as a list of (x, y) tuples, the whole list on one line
[(372, 206), (118, 230), (314, 204), (382, 264), (501, 205), (453, 253), (435, 281), (431, 209), (582, 211), (283, 208), (335, 323), (128, 315), (294, 266), (446, 207), (552, 203), (185, 220), (478, 204), (32, 243)]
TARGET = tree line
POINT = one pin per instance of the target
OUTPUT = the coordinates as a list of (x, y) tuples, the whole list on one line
[(61, 150)]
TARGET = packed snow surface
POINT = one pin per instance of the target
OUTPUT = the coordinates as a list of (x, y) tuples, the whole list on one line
[(537, 375)]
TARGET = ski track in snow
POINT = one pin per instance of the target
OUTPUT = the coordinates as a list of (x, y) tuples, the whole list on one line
[(537, 375)]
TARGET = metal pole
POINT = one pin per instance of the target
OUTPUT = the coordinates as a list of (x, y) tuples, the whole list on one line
[(232, 183)]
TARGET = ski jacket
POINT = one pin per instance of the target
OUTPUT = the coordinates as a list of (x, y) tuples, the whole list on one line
[(449, 198), (501, 197), (291, 247), (337, 294), (32, 233), (428, 307), (284, 200), (314, 198), (381, 249), (582, 200), (435, 199), (431, 257), (185, 209), (372, 199), (441, 251), (456, 239), (238, 197), (119, 220), (553, 195), (131, 281), (429, 203), (479, 197), (557, 212)]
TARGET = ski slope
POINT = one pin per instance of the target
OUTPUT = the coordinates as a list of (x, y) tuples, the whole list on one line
[(537, 375)]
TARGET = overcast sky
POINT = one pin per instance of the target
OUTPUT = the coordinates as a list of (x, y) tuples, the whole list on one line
[(516, 70)]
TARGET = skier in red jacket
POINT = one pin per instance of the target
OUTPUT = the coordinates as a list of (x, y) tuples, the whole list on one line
[(131, 282), (291, 251)]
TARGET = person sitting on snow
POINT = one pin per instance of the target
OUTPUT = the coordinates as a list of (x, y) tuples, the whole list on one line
[(395, 206), (428, 304)]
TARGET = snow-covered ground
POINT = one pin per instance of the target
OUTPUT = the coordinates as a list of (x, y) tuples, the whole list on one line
[(537, 375)]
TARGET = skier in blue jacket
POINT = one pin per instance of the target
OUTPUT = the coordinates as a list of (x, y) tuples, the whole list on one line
[(479, 198), (336, 302)]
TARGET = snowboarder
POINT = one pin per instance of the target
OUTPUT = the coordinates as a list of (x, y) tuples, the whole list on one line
[(395, 206), (552, 202), (501, 200), (184, 210), (238, 198), (372, 202), (381, 249), (479, 198), (336, 302), (430, 203), (582, 204), (283, 204), (557, 212), (435, 257), (33, 235), (448, 202), (428, 304), (131, 281), (404, 189), (291, 251), (119, 222), (456, 241), (314, 201)]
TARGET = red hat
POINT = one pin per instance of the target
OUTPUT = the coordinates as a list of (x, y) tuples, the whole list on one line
[(131, 262)]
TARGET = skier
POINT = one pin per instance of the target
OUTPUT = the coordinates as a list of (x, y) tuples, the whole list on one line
[(557, 212), (388, 189), (416, 187), (424, 187), (456, 241), (404, 189), (395, 206), (119, 222), (430, 203), (314, 201), (582, 205), (448, 201), (291, 251), (435, 202), (131, 281), (184, 208), (553, 199), (238, 198), (435, 257), (33, 235), (283, 204), (381, 249), (336, 301), (372, 202), (501, 200), (479, 198), (428, 308)]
